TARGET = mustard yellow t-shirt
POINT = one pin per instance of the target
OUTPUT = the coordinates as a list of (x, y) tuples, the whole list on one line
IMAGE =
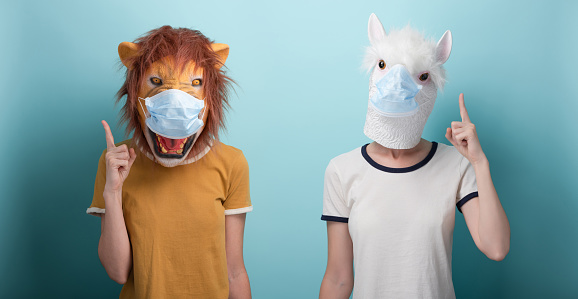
[(175, 217)]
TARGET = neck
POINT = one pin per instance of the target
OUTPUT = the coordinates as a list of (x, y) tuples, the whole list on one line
[(396, 154)]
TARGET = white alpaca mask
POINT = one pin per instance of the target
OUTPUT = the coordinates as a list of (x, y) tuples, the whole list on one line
[(396, 119)]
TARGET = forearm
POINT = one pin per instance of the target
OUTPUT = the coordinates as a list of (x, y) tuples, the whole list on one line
[(338, 279), (335, 287), (239, 287), (114, 248), (493, 225)]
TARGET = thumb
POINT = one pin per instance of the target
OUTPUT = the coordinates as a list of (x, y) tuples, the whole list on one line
[(132, 157), (450, 137)]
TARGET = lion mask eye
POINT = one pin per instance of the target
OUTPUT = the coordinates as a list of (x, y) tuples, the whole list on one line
[(381, 64), (197, 82), (156, 81)]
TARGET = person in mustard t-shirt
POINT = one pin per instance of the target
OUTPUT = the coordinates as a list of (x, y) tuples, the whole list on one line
[(172, 200)]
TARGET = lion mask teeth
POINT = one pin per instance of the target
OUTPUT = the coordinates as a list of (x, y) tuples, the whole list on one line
[(171, 146)]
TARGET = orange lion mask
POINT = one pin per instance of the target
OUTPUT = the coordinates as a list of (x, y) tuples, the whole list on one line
[(174, 58)]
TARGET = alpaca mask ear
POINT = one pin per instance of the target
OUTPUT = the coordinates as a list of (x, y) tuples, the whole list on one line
[(127, 51), (444, 47), (375, 29), (223, 51)]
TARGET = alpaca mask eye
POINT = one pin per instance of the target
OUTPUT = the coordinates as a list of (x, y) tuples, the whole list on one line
[(196, 82), (424, 77), (381, 64), (156, 81)]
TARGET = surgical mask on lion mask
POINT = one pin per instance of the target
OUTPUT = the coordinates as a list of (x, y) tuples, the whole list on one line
[(398, 109), (174, 114)]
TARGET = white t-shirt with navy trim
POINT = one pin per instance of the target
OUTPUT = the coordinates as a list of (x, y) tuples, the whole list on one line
[(401, 220)]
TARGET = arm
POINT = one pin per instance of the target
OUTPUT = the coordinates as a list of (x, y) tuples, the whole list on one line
[(484, 215), (239, 286), (486, 218), (114, 248), (338, 279)]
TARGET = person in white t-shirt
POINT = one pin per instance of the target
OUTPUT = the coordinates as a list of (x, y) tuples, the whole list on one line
[(389, 205)]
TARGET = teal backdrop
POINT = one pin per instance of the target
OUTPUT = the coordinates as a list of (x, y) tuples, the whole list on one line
[(301, 100)]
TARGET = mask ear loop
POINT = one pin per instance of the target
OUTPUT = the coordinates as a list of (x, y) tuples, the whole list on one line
[(204, 111), (147, 115)]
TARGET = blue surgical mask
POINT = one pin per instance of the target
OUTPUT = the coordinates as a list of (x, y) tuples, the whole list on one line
[(174, 114), (396, 91)]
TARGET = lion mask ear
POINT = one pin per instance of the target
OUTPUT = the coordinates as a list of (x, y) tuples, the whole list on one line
[(223, 51), (127, 51)]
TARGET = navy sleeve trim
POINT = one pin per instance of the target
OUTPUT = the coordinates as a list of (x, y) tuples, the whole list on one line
[(334, 218), (466, 199)]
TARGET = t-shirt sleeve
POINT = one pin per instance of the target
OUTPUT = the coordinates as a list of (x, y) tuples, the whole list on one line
[(335, 207), (238, 199), (468, 187), (97, 206)]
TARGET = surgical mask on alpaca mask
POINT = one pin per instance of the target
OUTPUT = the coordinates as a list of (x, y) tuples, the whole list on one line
[(174, 114), (390, 121), (396, 91)]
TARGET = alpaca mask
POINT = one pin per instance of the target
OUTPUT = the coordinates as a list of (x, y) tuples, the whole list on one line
[(407, 72), (168, 67)]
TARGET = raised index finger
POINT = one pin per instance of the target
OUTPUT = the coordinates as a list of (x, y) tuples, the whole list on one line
[(463, 110), (109, 138)]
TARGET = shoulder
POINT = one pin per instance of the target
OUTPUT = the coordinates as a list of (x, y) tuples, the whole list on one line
[(347, 160), (444, 147), (227, 157), (449, 157), (348, 156), (447, 152), (227, 152)]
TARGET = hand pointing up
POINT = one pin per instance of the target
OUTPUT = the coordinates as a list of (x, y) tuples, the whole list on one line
[(464, 138), (118, 162)]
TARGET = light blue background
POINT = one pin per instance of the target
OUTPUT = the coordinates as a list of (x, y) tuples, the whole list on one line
[(301, 100)]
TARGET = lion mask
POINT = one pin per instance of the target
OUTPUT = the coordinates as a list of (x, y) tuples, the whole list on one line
[(168, 58)]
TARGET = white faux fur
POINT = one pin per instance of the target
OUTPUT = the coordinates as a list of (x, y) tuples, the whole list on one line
[(409, 48)]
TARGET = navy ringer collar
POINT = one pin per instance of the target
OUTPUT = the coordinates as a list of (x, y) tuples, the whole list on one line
[(434, 146)]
